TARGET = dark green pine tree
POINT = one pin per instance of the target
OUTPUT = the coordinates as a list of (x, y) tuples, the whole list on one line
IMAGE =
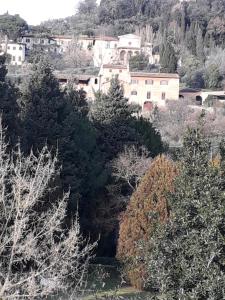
[(9, 108), (168, 58), (55, 118), (112, 117), (186, 258)]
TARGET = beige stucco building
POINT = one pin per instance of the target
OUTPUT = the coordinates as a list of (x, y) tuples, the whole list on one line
[(149, 89), (16, 51)]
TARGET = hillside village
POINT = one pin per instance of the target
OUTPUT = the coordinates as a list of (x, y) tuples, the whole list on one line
[(111, 55)]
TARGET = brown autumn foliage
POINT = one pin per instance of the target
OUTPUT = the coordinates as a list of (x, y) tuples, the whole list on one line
[(148, 206)]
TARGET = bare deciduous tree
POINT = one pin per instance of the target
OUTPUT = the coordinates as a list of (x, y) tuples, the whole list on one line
[(37, 256), (76, 57), (131, 165)]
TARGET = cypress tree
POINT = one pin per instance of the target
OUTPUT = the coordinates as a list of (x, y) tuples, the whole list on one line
[(200, 46), (8, 104), (186, 256), (168, 59)]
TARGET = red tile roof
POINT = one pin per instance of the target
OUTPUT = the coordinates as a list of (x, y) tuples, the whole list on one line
[(108, 66), (154, 75)]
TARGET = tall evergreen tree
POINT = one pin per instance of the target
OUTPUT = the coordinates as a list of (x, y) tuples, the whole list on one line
[(200, 46), (54, 118), (112, 117), (168, 58), (186, 257), (8, 104)]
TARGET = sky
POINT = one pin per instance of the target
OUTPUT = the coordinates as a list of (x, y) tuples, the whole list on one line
[(36, 11)]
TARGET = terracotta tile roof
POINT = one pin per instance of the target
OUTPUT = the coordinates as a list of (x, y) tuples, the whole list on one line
[(99, 38), (154, 75), (108, 66), (129, 47)]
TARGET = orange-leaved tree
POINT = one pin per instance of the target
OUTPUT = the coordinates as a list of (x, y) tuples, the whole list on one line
[(148, 207)]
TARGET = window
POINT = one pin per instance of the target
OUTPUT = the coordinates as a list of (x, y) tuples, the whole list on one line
[(134, 93), (20, 48), (164, 82), (8, 47), (19, 58), (107, 45), (149, 81), (134, 81), (14, 58), (129, 43), (120, 71), (163, 96), (115, 46), (96, 80), (110, 70), (148, 95), (42, 41), (27, 40), (14, 48), (107, 79)]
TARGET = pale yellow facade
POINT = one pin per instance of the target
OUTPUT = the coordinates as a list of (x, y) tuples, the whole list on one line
[(154, 88)]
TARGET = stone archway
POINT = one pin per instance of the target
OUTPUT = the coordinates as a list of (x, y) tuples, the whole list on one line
[(122, 55)]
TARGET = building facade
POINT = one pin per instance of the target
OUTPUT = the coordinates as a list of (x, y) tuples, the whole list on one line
[(17, 52), (150, 89)]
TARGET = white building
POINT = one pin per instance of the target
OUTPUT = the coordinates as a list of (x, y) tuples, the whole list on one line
[(17, 52)]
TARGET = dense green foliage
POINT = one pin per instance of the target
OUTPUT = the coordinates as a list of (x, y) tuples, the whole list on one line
[(58, 119), (168, 59), (185, 259), (139, 62), (12, 26)]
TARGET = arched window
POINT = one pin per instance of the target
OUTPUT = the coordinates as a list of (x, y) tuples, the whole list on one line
[(133, 93), (122, 55)]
